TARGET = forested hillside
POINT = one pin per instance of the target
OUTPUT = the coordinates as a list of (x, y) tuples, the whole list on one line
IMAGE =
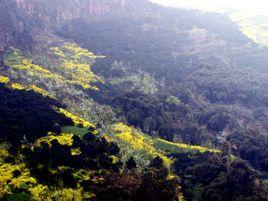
[(129, 100)]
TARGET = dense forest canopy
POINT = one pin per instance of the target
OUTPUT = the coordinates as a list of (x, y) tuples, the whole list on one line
[(129, 100)]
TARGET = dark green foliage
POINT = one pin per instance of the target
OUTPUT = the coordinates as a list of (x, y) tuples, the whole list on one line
[(152, 185), (131, 163), (218, 122), (94, 154), (159, 46), (251, 146), (27, 114), (209, 177), (19, 197)]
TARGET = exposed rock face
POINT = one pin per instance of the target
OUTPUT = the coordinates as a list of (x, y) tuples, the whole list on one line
[(63, 10), (21, 16), (12, 24)]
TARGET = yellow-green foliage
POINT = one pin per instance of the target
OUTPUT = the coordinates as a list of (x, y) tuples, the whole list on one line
[(68, 194), (8, 182), (82, 175), (80, 131), (18, 62), (79, 53), (10, 185), (17, 86), (3, 151), (43, 193), (115, 159), (75, 64), (142, 147), (80, 73), (76, 152), (181, 197), (172, 147), (57, 51), (77, 120), (40, 193), (38, 90), (4, 79), (71, 71), (63, 139), (135, 143)]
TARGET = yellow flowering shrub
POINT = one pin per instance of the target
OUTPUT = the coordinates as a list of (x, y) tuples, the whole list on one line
[(17, 86), (63, 139), (133, 141), (44, 193), (4, 79), (38, 90), (115, 159), (79, 52), (40, 193), (72, 71), (75, 65), (3, 151), (34, 88), (181, 197), (76, 151), (57, 51), (18, 62), (77, 120), (67, 194), (8, 182)]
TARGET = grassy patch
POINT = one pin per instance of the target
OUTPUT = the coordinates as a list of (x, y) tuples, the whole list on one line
[(80, 131)]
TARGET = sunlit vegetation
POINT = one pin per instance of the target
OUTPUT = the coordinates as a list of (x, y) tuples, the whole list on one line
[(16, 60), (172, 147), (34, 88), (80, 131), (43, 192), (173, 100), (134, 143), (63, 139), (80, 53), (14, 177), (38, 90), (77, 120), (254, 27), (72, 70), (4, 151), (4, 79), (17, 86), (143, 147), (75, 63)]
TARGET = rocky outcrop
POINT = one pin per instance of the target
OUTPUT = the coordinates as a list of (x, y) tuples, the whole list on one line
[(13, 25), (62, 10), (20, 17)]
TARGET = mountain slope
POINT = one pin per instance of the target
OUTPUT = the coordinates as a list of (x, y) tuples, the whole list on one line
[(116, 70)]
